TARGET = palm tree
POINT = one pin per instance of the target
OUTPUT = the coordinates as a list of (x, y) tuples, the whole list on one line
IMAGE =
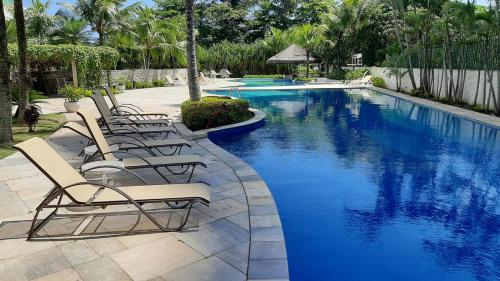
[(101, 14), (192, 69), (307, 36), (70, 30), (5, 98), (23, 62), (38, 21), (157, 38)]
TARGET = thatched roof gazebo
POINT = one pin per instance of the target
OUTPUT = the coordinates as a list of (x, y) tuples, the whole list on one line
[(292, 55)]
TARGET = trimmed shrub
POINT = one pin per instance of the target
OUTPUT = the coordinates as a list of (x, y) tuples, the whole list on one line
[(356, 74), (378, 82), (73, 94), (212, 112), (304, 79), (271, 76), (337, 75)]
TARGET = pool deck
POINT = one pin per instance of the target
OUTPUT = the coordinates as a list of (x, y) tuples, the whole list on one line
[(239, 237)]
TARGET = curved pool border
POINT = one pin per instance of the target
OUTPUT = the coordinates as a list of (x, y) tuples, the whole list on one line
[(267, 258)]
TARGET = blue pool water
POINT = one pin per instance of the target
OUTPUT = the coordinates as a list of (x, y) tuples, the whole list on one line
[(371, 187), (258, 82)]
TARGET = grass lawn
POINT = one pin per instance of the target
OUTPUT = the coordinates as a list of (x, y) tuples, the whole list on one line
[(48, 124)]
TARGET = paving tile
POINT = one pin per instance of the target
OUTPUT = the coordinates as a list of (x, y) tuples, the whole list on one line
[(265, 221), (65, 275), (223, 208), (268, 269), (102, 269), (11, 248), (268, 250), (155, 258), (130, 241), (240, 219), (260, 200), (236, 256), (209, 269), (78, 252), (214, 237), (255, 184), (267, 234), (106, 246), (260, 210), (257, 192), (41, 263)]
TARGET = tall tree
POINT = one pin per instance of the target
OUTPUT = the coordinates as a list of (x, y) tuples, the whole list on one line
[(22, 69), (101, 14), (192, 69), (38, 21), (307, 36), (5, 98)]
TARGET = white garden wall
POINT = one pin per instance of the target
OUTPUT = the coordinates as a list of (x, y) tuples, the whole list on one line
[(469, 86)]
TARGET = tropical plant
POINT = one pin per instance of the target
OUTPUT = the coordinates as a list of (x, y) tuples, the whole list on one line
[(31, 116), (157, 38), (5, 98), (69, 30), (102, 14), (38, 21), (307, 36)]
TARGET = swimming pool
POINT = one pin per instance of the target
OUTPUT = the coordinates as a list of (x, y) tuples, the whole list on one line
[(372, 187), (265, 82)]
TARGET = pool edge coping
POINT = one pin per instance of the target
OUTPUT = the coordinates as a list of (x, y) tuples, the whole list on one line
[(263, 214), (450, 109)]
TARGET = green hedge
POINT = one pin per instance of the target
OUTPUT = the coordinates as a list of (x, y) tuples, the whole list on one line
[(356, 74), (213, 112), (90, 61), (378, 82), (271, 76)]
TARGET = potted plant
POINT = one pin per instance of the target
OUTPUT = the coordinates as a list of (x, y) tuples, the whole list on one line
[(122, 81), (72, 98)]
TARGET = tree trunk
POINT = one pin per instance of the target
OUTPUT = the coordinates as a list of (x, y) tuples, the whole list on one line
[(307, 64), (5, 98), (23, 63), (192, 69)]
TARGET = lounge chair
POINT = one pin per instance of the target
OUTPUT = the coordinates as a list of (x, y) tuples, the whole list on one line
[(128, 142), (131, 109), (171, 81), (117, 126), (366, 79), (224, 73), (181, 80), (213, 74), (203, 79), (185, 162), (105, 111), (68, 182)]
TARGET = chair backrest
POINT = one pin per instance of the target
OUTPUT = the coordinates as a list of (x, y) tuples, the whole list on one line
[(112, 97), (52, 165), (79, 129), (179, 77), (169, 79), (103, 108), (96, 133)]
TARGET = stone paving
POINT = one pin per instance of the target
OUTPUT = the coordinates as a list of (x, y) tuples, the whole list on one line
[(238, 237)]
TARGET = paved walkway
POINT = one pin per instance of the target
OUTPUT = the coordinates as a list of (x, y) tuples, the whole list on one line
[(215, 246)]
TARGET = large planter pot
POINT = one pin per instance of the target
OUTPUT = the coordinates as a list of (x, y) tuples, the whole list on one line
[(72, 107), (121, 88)]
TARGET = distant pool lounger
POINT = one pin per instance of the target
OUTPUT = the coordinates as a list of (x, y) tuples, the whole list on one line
[(129, 109), (127, 119), (68, 182), (185, 162)]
